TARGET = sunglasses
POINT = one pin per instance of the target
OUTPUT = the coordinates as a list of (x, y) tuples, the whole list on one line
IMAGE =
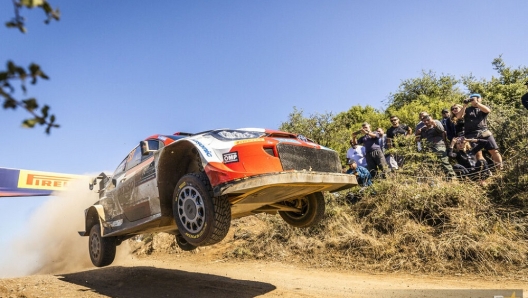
[(394, 120), (454, 109)]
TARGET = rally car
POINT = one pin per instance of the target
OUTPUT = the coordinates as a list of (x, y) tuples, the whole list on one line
[(192, 185)]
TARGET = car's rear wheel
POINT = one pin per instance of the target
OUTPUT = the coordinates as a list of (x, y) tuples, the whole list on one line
[(310, 212), (102, 249), (201, 218), (184, 244)]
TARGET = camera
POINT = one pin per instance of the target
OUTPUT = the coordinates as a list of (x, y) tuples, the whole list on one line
[(468, 100)]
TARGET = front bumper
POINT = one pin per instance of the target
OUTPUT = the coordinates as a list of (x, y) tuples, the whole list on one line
[(251, 193)]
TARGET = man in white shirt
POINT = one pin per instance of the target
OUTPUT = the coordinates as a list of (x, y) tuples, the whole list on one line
[(357, 152)]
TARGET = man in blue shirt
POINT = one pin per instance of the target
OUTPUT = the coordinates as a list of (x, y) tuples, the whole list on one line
[(362, 174)]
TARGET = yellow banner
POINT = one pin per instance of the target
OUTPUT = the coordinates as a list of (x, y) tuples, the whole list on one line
[(45, 180)]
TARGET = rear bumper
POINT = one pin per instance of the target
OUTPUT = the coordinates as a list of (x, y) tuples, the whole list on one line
[(253, 192)]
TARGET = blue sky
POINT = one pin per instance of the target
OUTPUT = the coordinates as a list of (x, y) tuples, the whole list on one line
[(123, 70)]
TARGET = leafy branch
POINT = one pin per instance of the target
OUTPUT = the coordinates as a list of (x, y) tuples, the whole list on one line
[(33, 72), (19, 21)]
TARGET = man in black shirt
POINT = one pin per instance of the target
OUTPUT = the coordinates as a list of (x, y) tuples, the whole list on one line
[(476, 126), (395, 130), (524, 98)]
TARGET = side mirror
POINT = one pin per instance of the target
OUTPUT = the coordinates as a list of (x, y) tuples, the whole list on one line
[(145, 149), (91, 185)]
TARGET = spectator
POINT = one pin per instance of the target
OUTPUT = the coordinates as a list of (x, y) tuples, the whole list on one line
[(394, 131), (457, 122), (389, 159), (467, 164), (433, 133), (524, 98), (357, 152), (374, 155), (362, 174), (418, 128), (476, 126), (449, 126)]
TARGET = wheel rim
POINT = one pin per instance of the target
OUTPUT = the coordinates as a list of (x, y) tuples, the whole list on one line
[(191, 209), (95, 246)]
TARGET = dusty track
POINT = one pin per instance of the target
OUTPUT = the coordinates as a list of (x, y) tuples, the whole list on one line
[(169, 275)]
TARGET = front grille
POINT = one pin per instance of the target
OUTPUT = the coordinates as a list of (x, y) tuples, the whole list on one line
[(305, 158)]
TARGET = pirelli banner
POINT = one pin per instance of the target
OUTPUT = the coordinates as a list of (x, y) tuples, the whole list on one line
[(24, 183)]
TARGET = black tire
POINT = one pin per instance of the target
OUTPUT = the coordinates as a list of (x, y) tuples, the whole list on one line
[(201, 218), (311, 211), (102, 249), (183, 244)]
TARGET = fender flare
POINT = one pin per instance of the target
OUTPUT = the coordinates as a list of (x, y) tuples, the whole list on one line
[(93, 215)]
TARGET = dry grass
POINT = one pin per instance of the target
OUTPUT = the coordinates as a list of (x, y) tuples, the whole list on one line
[(432, 226)]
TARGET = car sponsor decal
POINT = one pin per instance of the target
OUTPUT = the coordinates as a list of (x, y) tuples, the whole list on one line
[(44, 180), (230, 157), (149, 173), (249, 141), (205, 150), (182, 185), (197, 235)]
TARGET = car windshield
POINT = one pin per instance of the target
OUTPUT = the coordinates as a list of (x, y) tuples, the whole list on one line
[(232, 135)]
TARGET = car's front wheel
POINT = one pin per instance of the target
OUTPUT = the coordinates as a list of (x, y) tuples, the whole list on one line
[(102, 249), (310, 211), (201, 218)]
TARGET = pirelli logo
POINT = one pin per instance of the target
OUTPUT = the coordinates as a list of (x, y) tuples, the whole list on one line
[(44, 180)]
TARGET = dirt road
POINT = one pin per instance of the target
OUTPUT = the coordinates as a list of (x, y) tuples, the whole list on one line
[(176, 276)]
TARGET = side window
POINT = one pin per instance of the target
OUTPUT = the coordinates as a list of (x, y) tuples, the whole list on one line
[(134, 158), (120, 168)]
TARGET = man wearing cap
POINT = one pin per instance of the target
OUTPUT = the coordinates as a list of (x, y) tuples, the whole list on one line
[(363, 176), (433, 134), (476, 126), (524, 98)]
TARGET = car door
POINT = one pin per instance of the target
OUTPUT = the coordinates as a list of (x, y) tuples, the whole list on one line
[(136, 190)]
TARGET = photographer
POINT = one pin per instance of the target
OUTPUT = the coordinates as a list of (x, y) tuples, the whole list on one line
[(433, 133), (374, 155), (476, 126)]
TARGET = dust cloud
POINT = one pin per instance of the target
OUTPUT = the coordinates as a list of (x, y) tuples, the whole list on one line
[(50, 243)]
